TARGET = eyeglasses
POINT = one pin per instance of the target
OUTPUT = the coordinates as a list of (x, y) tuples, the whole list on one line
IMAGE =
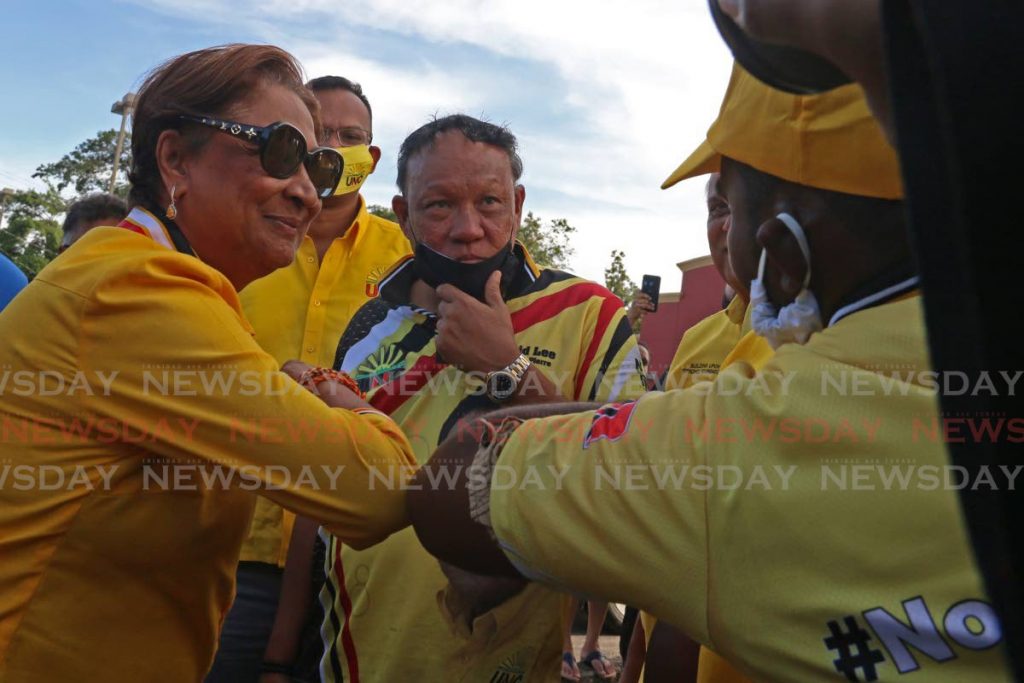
[(282, 150), (348, 136)]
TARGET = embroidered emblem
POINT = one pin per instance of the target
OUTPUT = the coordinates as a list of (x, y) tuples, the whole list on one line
[(382, 366), (373, 279), (610, 422)]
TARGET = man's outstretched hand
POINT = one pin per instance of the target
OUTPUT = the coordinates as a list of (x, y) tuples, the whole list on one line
[(438, 505)]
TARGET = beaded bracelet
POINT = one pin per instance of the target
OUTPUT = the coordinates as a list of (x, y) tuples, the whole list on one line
[(481, 470), (315, 376)]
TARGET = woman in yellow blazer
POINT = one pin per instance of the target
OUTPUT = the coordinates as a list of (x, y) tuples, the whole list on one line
[(137, 413)]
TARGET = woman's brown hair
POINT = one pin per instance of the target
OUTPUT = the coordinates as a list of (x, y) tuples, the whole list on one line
[(202, 83)]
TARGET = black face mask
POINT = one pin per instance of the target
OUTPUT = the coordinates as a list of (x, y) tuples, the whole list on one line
[(437, 269)]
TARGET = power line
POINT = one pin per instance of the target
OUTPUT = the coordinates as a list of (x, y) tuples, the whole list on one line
[(21, 180)]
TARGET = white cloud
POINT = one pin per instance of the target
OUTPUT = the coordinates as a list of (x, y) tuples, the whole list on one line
[(641, 82), (402, 99)]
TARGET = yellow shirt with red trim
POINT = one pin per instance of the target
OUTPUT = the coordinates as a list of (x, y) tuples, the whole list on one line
[(385, 624), (137, 419), (705, 345), (300, 312), (796, 520)]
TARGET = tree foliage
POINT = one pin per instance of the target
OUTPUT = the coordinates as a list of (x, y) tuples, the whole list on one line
[(383, 212), (87, 168), (550, 245), (30, 234), (617, 280)]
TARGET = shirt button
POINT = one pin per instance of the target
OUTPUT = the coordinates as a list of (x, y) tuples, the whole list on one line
[(309, 259), (310, 349), (316, 302)]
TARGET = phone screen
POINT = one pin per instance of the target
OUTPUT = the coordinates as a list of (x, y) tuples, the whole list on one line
[(651, 286)]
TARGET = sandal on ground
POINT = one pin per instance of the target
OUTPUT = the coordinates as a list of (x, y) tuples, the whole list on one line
[(604, 669), (569, 661)]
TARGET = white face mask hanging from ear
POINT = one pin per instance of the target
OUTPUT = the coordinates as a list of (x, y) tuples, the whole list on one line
[(797, 321)]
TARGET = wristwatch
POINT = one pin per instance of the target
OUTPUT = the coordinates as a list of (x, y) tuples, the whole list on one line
[(501, 384)]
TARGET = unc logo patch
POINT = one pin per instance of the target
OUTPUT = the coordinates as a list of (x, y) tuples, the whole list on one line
[(373, 279), (513, 668), (610, 422)]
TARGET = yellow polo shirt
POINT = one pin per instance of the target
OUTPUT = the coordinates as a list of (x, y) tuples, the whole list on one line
[(802, 530), (705, 345), (300, 312), (137, 419)]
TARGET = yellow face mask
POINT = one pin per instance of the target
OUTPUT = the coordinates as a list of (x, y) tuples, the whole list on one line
[(358, 165)]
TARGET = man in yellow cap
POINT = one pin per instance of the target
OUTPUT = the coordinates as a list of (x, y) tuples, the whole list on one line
[(799, 520), (300, 312)]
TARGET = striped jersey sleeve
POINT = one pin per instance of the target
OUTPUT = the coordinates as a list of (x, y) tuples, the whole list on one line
[(579, 312)]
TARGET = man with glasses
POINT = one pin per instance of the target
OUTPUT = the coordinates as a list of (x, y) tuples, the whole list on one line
[(299, 312)]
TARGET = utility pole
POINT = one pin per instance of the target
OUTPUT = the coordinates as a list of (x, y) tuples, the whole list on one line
[(124, 107)]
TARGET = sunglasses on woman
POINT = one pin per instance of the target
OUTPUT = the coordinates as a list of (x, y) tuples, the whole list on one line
[(282, 150)]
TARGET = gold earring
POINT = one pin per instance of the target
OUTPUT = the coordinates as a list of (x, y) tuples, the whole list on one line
[(172, 210)]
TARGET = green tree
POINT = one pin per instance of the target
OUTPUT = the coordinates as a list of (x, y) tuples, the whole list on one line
[(382, 211), (617, 280), (31, 234), (548, 245), (87, 168)]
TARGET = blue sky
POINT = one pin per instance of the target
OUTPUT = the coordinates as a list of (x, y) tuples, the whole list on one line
[(606, 97)]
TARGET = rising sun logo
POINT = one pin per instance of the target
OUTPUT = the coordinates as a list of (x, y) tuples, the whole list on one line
[(513, 668), (373, 279), (382, 366)]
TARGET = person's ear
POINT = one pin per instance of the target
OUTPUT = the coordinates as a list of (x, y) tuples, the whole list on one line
[(519, 198), (375, 153), (784, 257), (171, 161), (401, 208)]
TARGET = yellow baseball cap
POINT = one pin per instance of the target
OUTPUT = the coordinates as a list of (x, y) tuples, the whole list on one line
[(829, 141)]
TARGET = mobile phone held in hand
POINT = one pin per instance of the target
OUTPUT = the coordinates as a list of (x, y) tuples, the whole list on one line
[(651, 286)]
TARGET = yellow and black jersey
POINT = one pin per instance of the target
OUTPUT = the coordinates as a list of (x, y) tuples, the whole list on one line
[(573, 329), (383, 623)]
